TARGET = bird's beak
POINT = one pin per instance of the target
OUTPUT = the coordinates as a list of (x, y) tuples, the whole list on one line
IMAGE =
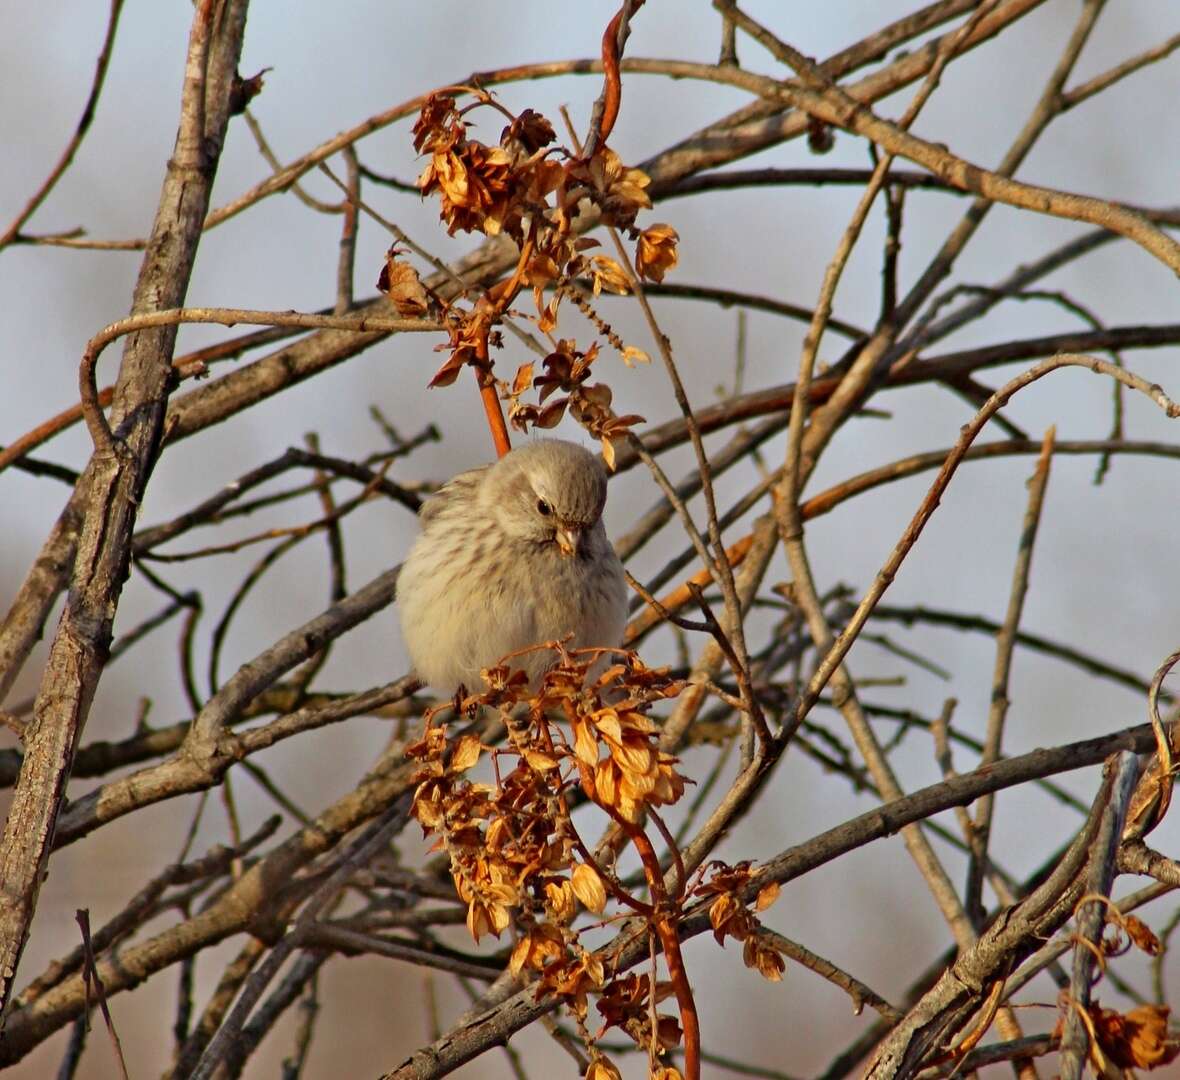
[(569, 539)]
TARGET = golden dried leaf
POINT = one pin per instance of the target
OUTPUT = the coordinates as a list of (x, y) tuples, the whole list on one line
[(504, 679), (520, 955), (630, 810), (467, 749), (767, 895), (607, 274), (1141, 935), (586, 778), (633, 356), (431, 745), (758, 954), (589, 888), (585, 744), (669, 785), (539, 760), (500, 918), (484, 918), (437, 115), (572, 979), (721, 911), (638, 759), (540, 178), (559, 899), (609, 725), (608, 453), (542, 945), (1138, 1039), (429, 813), (637, 789), (606, 784), (655, 253), (475, 186), (541, 270), (626, 189), (602, 1068), (548, 317), (665, 1072), (523, 380), (400, 283), (478, 921)]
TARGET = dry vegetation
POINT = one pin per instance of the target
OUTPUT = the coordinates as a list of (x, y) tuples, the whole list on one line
[(576, 830)]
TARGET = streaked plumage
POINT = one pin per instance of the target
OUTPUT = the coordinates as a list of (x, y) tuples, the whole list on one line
[(489, 574)]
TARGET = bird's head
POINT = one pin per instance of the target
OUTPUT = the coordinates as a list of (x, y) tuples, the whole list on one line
[(548, 491)]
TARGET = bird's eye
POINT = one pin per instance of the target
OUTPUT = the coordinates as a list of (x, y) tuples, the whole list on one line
[(543, 508)]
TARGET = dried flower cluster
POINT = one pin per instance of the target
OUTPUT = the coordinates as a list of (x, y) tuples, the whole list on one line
[(1137, 1039), (517, 858), (729, 916), (542, 196), (1120, 1042), (512, 843)]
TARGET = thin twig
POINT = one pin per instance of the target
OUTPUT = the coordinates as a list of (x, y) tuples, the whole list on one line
[(1005, 648), (83, 126), (1091, 918)]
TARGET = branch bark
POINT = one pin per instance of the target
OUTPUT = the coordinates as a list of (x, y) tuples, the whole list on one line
[(115, 479)]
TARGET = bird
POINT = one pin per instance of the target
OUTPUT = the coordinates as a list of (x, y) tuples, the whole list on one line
[(510, 555)]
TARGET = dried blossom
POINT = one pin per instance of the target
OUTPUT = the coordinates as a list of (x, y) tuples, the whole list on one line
[(619, 191), (759, 953), (573, 979), (1141, 935), (399, 282), (475, 185), (730, 917), (510, 843), (531, 190), (607, 274), (655, 253), (438, 121), (588, 887), (541, 946), (602, 1068), (1139, 1039), (531, 130), (626, 1003)]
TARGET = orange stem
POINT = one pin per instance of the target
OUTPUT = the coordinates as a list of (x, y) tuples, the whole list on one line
[(612, 90), (612, 83), (487, 391), (504, 292), (665, 929), (499, 296)]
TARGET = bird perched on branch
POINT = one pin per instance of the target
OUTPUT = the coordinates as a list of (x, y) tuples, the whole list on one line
[(511, 555)]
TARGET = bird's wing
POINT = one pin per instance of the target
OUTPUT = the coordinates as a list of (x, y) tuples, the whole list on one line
[(456, 493)]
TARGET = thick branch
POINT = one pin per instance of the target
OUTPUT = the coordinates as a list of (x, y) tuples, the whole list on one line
[(115, 480)]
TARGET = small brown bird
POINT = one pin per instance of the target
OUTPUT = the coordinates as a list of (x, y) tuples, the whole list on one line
[(510, 555)]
